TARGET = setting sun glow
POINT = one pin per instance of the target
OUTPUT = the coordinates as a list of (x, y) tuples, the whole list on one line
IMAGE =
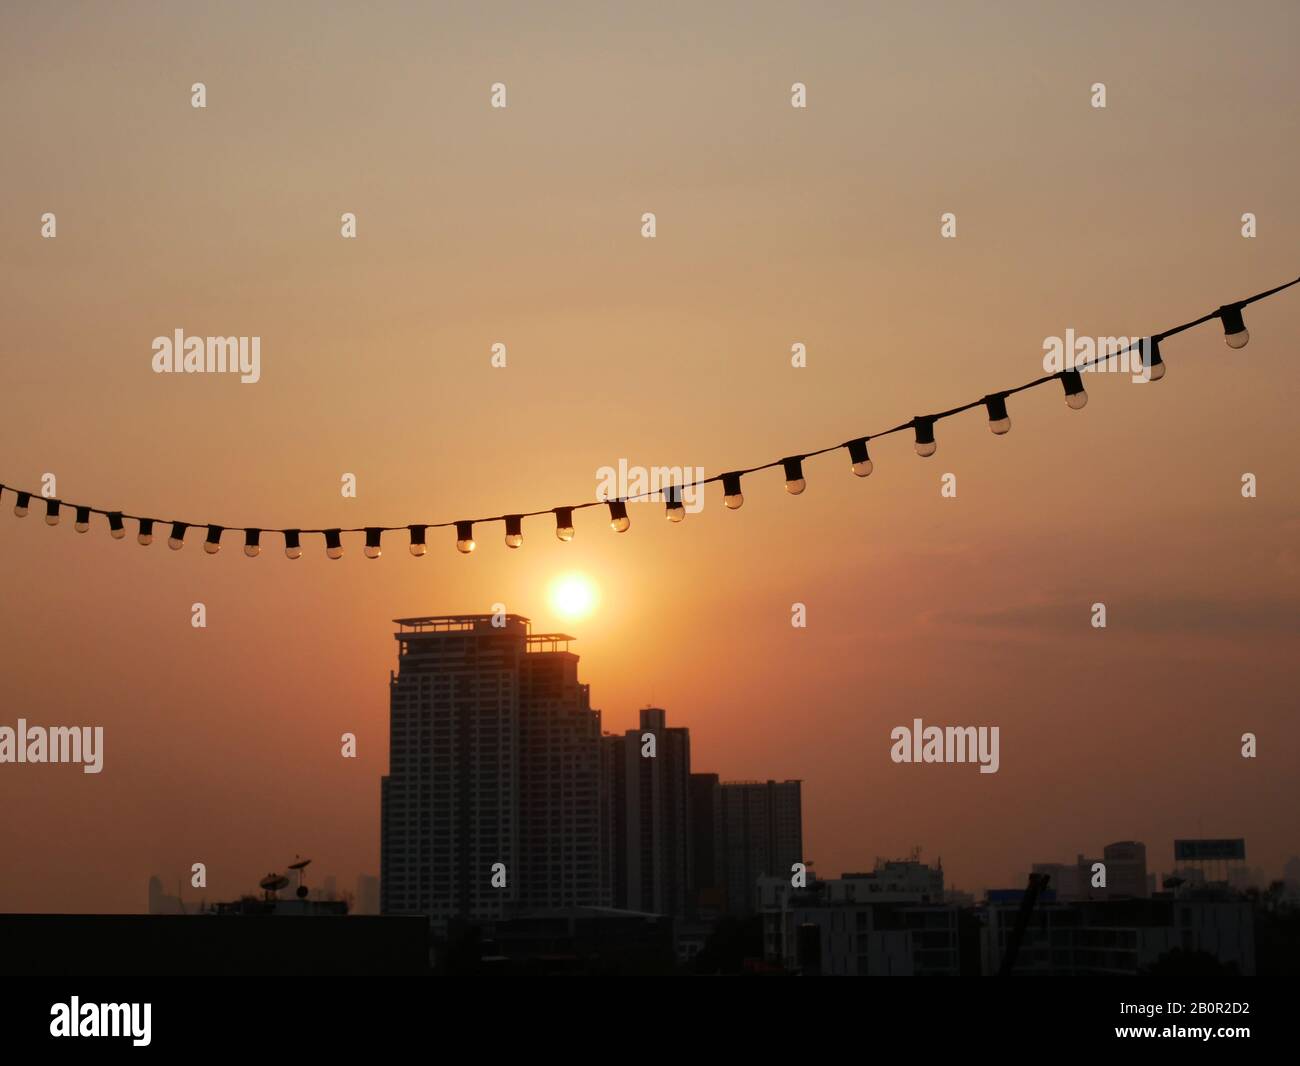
[(573, 596)]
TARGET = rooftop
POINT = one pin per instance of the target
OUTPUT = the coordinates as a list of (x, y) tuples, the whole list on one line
[(446, 623), (470, 623)]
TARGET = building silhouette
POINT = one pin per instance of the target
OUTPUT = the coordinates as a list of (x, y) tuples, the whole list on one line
[(649, 810), (1126, 874), (709, 893), (504, 801), (1119, 937), (561, 859), (367, 895), (493, 797), (160, 902), (891, 922), (760, 834)]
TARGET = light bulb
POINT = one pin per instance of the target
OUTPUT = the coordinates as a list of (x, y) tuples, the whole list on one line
[(115, 528), (514, 530), (51, 512), (1152, 364), (145, 537), (618, 519), (674, 510), (418, 547), (212, 544), (177, 539), (859, 457), (731, 494), (373, 549), (293, 543), (1075, 397), (83, 520), (999, 420), (334, 544), (925, 445), (465, 537), (252, 543), (794, 479), (564, 523), (20, 504), (1234, 326)]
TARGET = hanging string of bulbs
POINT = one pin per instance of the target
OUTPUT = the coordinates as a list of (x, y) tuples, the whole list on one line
[(995, 404)]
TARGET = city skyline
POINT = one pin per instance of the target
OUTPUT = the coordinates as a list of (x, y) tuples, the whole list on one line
[(555, 648)]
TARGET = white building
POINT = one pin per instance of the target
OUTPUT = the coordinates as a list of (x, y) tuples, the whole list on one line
[(892, 922)]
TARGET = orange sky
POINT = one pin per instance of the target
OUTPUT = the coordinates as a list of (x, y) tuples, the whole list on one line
[(775, 226)]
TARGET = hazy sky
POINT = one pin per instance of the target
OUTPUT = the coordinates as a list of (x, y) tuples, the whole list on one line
[(775, 226)]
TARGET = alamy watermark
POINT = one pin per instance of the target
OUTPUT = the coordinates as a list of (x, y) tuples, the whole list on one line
[(53, 744), (949, 744), (647, 484), (179, 354), (75, 1018), (1116, 355)]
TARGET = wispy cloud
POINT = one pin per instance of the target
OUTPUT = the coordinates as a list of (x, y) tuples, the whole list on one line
[(1167, 615)]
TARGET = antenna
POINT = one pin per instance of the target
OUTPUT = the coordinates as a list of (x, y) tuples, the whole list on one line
[(300, 864)]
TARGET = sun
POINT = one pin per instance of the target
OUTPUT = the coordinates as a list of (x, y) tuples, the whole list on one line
[(573, 596)]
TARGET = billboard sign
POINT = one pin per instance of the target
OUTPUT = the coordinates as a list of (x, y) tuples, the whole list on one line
[(1209, 850)]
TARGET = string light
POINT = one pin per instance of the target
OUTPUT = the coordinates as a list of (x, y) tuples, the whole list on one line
[(373, 549), (564, 524), (732, 497), (1075, 398), (252, 543), (924, 445), (859, 457), (465, 537), (674, 510), (1234, 325), (1230, 315), (795, 482), (418, 547), (996, 405)]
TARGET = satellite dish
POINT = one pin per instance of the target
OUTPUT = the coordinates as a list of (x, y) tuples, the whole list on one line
[(274, 882), (299, 865)]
